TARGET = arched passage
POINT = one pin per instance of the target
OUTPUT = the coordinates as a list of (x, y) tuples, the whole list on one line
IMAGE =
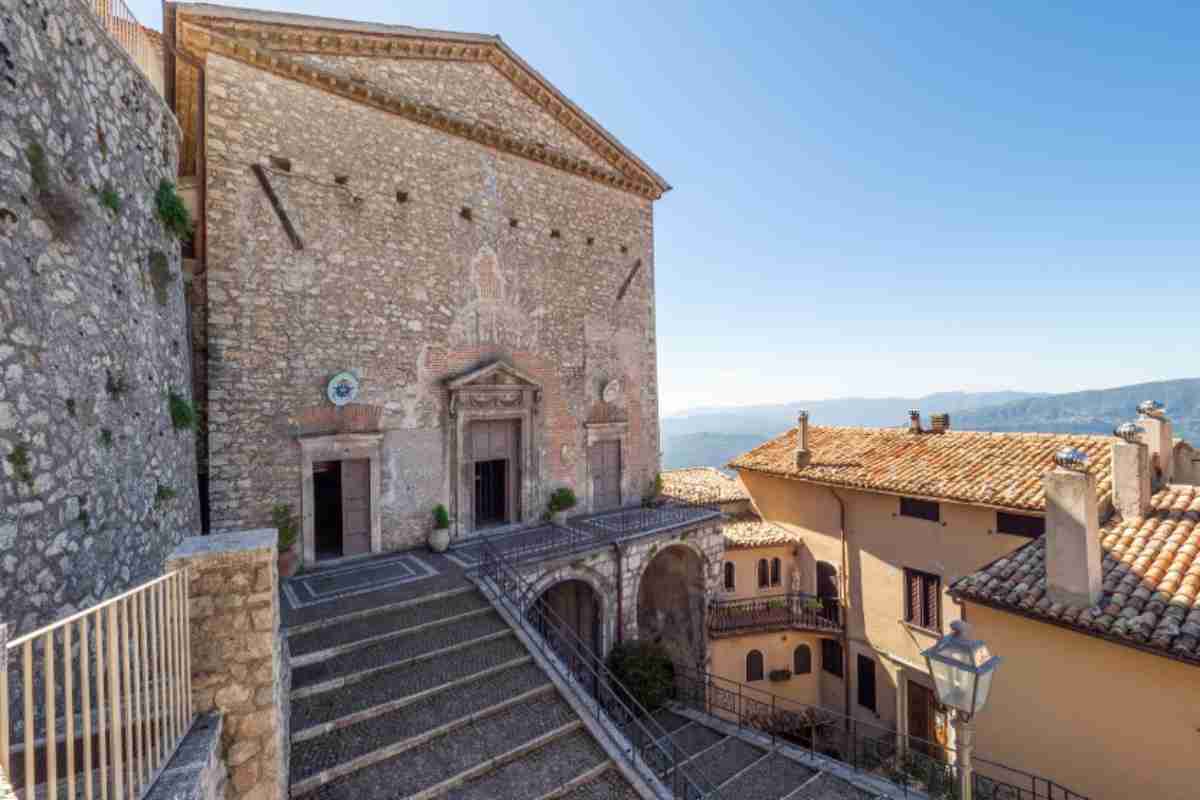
[(575, 604), (671, 603)]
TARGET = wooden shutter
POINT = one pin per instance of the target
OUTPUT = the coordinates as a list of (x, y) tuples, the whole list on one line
[(754, 666), (776, 572), (763, 578), (932, 587), (729, 576), (801, 660)]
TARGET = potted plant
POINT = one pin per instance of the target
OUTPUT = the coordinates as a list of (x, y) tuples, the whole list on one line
[(562, 500), (285, 524), (439, 537)]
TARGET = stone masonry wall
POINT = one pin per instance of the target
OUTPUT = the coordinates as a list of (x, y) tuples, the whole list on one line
[(238, 664), (397, 283), (96, 485)]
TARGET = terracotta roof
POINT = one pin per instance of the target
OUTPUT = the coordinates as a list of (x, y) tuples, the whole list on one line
[(1151, 579), (702, 485), (995, 469), (744, 531)]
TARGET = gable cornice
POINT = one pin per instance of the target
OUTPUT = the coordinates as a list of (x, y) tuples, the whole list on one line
[(265, 46)]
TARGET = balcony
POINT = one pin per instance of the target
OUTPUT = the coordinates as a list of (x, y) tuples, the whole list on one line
[(790, 611)]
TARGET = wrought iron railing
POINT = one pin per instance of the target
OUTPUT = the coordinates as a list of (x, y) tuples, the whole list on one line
[(627, 522), (912, 764), (641, 741), (105, 695), (791, 610), (120, 23)]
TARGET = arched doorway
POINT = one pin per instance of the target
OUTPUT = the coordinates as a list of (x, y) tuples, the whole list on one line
[(575, 604), (671, 604)]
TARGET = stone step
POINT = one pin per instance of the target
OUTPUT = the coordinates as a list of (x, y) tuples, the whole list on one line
[(727, 758), (361, 696), (769, 778), (669, 720), (405, 645), (336, 751), (608, 786), (538, 772), (435, 767), (829, 787), (385, 620), (693, 738)]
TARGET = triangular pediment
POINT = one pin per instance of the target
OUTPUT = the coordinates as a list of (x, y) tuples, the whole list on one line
[(435, 78), (498, 374)]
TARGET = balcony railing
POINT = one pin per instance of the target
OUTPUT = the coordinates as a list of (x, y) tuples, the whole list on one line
[(98, 702), (795, 610), (120, 23)]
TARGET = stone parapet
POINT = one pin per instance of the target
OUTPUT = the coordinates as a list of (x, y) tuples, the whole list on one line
[(237, 654), (197, 770)]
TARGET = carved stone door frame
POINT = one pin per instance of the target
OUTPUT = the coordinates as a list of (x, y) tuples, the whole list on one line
[(495, 392), (339, 447)]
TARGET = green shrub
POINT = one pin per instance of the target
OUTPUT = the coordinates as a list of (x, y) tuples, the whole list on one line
[(183, 415), (71, 406), (441, 518), (645, 669), (110, 199), (115, 384), (160, 275), (561, 499), (172, 212), (22, 468), (106, 437), (285, 522), (39, 168), (163, 495)]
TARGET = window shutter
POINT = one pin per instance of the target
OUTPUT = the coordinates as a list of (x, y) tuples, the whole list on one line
[(912, 600), (932, 591), (776, 571), (763, 578)]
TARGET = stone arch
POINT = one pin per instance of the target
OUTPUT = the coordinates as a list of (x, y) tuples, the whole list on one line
[(601, 589), (671, 600)]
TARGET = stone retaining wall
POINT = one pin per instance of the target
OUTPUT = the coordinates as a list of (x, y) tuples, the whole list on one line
[(237, 656), (96, 484)]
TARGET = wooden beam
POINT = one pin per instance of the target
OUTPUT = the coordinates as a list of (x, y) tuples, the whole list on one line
[(280, 212)]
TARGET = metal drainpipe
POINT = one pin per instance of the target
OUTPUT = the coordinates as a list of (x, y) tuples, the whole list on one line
[(620, 637), (844, 591)]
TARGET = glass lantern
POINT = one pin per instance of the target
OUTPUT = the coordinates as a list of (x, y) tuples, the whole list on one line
[(962, 670)]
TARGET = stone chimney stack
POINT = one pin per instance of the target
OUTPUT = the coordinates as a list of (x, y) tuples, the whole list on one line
[(914, 421), (1131, 471), (802, 454), (1072, 531), (939, 423), (1152, 416)]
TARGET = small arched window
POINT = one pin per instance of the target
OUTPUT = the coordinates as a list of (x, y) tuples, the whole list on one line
[(764, 578), (801, 660), (776, 572), (754, 666), (729, 576)]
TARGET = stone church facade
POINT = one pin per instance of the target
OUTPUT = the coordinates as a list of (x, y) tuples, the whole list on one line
[(423, 211)]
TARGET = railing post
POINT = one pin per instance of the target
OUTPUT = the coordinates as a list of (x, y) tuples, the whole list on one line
[(4, 721)]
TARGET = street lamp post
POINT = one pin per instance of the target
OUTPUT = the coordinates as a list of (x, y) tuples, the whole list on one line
[(962, 670)]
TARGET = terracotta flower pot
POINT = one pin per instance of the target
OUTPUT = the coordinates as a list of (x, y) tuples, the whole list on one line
[(439, 540), (288, 562)]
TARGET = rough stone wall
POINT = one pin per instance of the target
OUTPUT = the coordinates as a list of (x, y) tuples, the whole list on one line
[(405, 290), (96, 486), (237, 657)]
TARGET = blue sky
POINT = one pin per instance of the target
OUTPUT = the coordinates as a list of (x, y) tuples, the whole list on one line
[(889, 198)]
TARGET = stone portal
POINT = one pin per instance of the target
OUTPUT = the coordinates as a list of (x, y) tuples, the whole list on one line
[(671, 600)]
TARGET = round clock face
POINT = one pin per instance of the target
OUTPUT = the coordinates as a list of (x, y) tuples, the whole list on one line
[(342, 389)]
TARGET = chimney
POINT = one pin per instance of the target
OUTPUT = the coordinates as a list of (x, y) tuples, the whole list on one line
[(1072, 531), (1152, 416), (1131, 471), (914, 421), (939, 423), (802, 454)]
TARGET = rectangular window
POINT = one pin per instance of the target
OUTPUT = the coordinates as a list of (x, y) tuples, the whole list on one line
[(866, 682), (920, 509), (776, 572), (1020, 525), (923, 599), (831, 656)]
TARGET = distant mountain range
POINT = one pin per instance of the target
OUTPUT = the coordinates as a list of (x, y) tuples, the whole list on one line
[(712, 436)]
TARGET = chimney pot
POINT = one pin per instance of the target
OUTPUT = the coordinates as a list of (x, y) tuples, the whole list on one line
[(940, 423), (914, 421), (1073, 574), (802, 454)]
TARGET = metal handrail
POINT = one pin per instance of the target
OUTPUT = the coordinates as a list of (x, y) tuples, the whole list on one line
[(644, 740), (912, 763), (790, 609)]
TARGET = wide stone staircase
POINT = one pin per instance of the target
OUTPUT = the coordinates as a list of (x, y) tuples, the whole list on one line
[(434, 697)]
